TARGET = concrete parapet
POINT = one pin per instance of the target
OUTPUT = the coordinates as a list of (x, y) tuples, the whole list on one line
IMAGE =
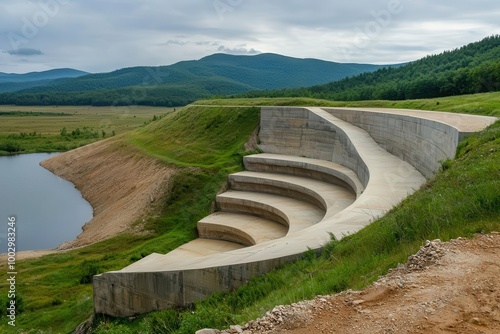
[(422, 138)]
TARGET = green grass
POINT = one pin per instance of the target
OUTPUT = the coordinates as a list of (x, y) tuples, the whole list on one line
[(486, 104), (208, 137), (38, 129)]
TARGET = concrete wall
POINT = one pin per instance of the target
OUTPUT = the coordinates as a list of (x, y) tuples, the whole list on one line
[(423, 143), (301, 132), (122, 294)]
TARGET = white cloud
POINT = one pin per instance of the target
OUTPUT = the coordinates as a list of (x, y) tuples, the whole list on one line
[(242, 50)]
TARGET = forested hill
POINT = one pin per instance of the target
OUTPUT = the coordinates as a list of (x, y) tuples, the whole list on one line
[(473, 68), (186, 81)]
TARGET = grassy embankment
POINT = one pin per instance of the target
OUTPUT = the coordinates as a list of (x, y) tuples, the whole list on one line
[(461, 200), (58, 129), (55, 290)]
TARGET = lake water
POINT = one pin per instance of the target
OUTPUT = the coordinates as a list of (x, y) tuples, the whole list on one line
[(48, 209)]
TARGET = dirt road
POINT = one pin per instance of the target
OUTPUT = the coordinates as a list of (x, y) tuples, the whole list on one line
[(451, 287)]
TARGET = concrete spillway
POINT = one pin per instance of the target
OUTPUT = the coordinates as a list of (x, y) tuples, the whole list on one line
[(324, 171)]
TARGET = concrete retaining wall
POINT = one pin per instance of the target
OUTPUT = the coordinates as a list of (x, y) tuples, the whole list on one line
[(423, 143), (122, 294), (303, 133)]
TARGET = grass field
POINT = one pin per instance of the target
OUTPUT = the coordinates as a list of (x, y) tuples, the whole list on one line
[(463, 199), (40, 129)]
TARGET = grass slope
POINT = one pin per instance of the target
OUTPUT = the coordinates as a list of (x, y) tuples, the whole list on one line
[(207, 137)]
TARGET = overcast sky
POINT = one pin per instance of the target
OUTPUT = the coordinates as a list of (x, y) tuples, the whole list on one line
[(104, 35)]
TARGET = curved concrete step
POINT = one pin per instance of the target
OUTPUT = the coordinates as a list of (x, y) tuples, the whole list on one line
[(192, 250), (329, 197), (243, 229), (296, 215), (315, 169)]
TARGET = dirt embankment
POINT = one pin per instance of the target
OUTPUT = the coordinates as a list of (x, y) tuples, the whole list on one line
[(120, 183), (451, 287)]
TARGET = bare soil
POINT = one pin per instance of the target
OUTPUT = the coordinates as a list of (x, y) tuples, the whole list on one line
[(121, 184), (451, 287)]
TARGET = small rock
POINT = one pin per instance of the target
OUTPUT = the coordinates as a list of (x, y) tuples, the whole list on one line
[(236, 329), (207, 331), (430, 310), (358, 302)]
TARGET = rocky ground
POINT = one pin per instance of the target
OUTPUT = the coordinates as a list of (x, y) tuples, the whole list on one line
[(451, 287)]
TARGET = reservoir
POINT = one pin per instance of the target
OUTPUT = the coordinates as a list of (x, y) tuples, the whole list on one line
[(49, 210)]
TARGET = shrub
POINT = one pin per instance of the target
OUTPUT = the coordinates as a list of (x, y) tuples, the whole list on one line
[(89, 268), (10, 147)]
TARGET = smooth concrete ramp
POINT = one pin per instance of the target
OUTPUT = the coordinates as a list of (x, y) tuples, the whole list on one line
[(324, 171)]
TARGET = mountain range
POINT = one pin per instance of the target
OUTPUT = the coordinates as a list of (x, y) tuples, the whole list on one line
[(12, 82), (218, 74), (469, 69)]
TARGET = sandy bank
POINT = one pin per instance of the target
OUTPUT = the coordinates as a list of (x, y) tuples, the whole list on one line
[(120, 183)]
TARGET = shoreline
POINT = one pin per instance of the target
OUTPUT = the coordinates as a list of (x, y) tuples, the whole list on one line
[(120, 183)]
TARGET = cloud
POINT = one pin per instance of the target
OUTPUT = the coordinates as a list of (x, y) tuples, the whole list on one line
[(238, 51), (175, 42), (156, 32), (24, 52)]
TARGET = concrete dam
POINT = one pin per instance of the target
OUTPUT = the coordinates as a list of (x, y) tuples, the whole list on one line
[(324, 172)]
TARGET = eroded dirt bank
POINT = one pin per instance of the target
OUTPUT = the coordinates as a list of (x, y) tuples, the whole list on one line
[(119, 181), (451, 287)]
